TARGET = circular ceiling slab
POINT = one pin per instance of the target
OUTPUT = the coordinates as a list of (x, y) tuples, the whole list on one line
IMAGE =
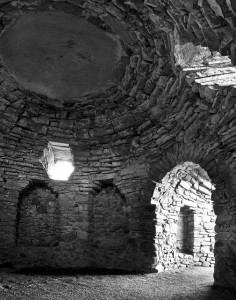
[(59, 55)]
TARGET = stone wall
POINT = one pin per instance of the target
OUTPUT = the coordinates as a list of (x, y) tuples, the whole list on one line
[(51, 227), (186, 187), (109, 229), (134, 133), (38, 218)]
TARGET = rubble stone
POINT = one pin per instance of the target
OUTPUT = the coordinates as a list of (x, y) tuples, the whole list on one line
[(174, 104)]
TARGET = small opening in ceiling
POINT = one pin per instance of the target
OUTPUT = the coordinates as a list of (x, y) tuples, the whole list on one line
[(205, 67)]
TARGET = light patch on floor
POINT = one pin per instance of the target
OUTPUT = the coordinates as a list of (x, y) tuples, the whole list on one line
[(185, 284)]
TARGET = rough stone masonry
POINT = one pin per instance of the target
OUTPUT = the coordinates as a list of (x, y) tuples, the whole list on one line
[(164, 110)]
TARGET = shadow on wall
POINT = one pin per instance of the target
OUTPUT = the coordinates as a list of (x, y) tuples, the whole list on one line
[(109, 228), (38, 217)]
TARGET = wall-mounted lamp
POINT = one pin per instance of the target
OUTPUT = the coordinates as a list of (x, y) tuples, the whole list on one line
[(58, 161)]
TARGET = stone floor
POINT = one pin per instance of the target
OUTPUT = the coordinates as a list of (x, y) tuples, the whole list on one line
[(178, 284)]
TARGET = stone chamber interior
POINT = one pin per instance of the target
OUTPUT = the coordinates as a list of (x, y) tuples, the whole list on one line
[(144, 94)]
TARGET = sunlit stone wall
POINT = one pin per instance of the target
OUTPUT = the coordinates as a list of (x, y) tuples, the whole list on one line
[(187, 186)]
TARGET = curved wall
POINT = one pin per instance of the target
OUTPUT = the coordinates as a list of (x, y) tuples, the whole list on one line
[(134, 133)]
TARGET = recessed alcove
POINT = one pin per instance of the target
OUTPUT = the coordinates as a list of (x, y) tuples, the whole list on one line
[(38, 217), (109, 228), (185, 230)]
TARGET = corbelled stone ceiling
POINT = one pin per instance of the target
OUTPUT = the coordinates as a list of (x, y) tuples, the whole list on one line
[(136, 88), (61, 56)]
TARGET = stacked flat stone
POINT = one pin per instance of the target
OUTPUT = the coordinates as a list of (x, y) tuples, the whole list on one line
[(184, 186), (133, 134)]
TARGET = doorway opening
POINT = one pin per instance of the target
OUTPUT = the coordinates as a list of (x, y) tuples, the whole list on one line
[(185, 220)]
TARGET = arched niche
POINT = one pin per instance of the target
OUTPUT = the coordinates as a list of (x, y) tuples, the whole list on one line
[(109, 227), (38, 216)]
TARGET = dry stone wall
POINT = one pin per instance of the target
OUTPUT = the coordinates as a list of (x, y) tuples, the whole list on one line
[(38, 218), (186, 186), (58, 236), (109, 229), (156, 118)]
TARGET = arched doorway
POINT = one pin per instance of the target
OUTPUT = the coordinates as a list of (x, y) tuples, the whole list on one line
[(185, 220)]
